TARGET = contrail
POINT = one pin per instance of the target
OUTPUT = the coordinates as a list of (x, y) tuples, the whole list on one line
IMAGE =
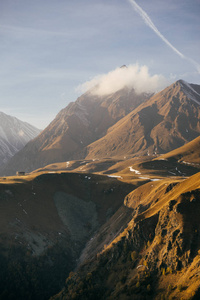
[(148, 21)]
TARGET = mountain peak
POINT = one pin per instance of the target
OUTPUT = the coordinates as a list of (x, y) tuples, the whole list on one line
[(116, 124), (14, 135), (124, 67), (75, 127), (191, 91), (165, 122)]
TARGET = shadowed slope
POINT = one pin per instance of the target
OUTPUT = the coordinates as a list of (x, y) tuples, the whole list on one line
[(45, 221)]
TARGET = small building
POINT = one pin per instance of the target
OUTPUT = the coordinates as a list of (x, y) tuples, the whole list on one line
[(20, 173)]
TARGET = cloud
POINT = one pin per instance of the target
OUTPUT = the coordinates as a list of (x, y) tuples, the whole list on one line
[(133, 76), (149, 23)]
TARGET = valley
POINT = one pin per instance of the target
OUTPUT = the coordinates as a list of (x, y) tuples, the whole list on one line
[(106, 201)]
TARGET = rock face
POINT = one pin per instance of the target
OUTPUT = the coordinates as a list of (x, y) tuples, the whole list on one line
[(75, 127), (14, 135), (165, 122)]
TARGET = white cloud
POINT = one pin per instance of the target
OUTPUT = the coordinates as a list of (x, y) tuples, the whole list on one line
[(133, 76), (149, 23)]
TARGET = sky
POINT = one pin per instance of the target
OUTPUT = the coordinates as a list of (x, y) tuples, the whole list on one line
[(52, 51)]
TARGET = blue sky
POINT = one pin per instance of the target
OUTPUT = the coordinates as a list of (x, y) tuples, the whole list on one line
[(49, 48)]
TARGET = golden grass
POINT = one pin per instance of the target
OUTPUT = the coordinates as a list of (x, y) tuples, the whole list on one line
[(188, 153), (182, 187)]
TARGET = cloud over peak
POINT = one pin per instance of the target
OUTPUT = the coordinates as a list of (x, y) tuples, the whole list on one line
[(133, 76)]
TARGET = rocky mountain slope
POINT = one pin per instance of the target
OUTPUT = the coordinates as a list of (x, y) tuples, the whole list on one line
[(14, 135), (165, 122), (76, 126), (118, 125), (156, 257)]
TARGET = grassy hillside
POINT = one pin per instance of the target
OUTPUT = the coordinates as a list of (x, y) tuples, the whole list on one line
[(188, 154), (166, 121), (158, 254)]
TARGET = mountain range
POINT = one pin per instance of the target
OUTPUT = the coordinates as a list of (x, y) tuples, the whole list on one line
[(123, 123), (76, 126), (166, 121), (110, 206), (14, 135)]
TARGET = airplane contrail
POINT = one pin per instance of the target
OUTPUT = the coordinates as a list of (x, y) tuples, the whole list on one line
[(148, 21)]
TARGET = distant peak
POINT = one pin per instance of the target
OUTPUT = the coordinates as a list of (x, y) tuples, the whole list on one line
[(124, 67), (190, 91), (182, 81)]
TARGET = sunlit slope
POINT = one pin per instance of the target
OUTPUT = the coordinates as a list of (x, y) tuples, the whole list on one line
[(140, 168), (157, 254), (187, 186), (168, 120), (76, 126), (188, 154)]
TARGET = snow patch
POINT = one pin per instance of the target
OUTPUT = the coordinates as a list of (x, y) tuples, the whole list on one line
[(162, 159), (21, 133), (115, 176), (135, 171), (186, 163), (172, 173), (155, 179)]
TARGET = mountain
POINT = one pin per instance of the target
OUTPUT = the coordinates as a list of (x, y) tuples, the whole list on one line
[(168, 120), (116, 229), (76, 126), (157, 256), (121, 223), (117, 125), (14, 135)]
